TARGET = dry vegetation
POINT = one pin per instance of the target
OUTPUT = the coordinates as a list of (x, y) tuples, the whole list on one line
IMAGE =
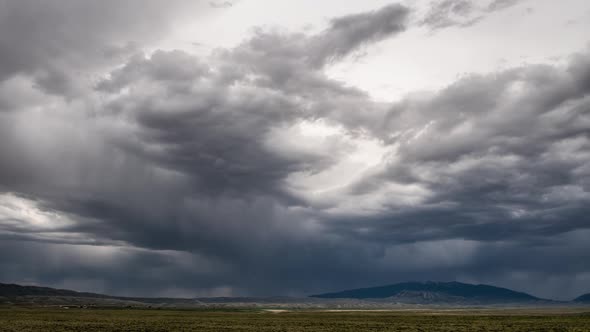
[(60, 319)]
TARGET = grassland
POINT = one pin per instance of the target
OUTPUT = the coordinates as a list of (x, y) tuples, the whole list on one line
[(56, 319)]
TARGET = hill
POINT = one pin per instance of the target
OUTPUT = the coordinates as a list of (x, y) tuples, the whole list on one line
[(13, 290), (13, 293), (583, 298), (435, 292)]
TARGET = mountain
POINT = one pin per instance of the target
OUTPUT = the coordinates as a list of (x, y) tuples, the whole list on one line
[(13, 290), (404, 295), (584, 298), (434, 292), (12, 293)]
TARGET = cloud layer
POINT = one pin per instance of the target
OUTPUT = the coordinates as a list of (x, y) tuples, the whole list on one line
[(251, 172)]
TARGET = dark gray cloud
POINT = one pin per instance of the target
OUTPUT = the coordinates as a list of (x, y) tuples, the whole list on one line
[(484, 177), (348, 33), (56, 42), (184, 169)]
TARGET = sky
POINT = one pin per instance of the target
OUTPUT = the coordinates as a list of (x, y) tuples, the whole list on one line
[(254, 148)]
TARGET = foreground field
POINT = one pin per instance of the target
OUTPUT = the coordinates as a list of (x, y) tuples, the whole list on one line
[(55, 319)]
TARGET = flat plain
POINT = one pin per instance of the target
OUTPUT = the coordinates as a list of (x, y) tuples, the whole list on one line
[(19, 319)]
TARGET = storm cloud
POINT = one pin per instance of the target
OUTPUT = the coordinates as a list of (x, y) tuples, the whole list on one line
[(137, 170)]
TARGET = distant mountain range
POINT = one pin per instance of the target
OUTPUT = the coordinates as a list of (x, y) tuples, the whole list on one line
[(584, 298), (402, 294), (435, 292)]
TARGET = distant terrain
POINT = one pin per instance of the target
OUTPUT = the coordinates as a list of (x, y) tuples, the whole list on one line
[(583, 298), (436, 292), (17, 294), (402, 295)]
